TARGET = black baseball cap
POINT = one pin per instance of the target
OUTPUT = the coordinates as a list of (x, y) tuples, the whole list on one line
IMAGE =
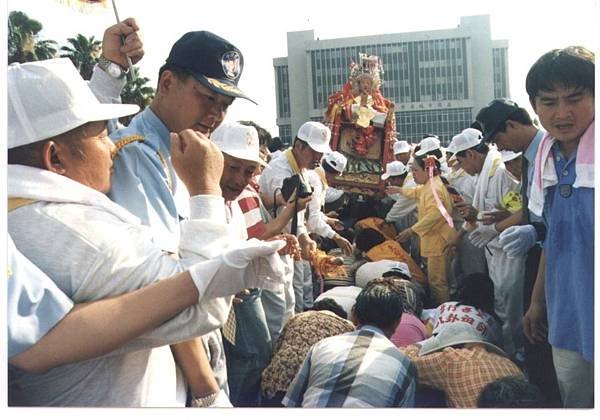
[(493, 115), (213, 61)]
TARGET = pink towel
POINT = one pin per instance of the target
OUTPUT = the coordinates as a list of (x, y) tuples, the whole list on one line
[(544, 171)]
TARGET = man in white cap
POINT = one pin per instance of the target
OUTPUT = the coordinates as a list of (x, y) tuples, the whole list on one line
[(311, 142), (247, 342), (513, 162), (60, 161), (332, 164), (494, 185), (403, 211), (402, 151)]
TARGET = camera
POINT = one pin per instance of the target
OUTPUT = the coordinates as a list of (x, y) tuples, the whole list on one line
[(295, 183)]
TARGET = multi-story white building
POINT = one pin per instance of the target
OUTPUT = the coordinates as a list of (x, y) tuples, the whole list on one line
[(438, 79)]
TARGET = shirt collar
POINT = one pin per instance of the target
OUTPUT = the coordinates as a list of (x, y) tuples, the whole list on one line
[(162, 140), (533, 147), (372, 328)]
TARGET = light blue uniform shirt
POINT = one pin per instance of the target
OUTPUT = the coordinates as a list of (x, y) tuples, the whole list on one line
[(147, 185), (35, 303), (569, 250)]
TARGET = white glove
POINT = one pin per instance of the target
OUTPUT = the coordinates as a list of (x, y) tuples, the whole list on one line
[(482, 235), (517, 240), (222, 400), (227, 275)]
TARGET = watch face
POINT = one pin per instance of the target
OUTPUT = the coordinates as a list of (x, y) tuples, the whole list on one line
[(114, 70)]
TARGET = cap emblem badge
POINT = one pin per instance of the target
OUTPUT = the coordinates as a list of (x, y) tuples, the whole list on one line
[(231, 64)]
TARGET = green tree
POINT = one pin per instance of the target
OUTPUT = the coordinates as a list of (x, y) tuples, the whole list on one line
[(136, 92), (23, 40), (83, 52)]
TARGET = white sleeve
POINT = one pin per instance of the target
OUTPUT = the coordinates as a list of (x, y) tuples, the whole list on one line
[(401, 208), (106, 89), (316, 219)]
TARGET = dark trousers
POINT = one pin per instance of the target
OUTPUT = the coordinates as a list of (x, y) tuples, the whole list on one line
[(538, 357), (251, 353)]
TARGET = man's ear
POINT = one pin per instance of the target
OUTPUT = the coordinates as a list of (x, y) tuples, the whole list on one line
[(166, 82), (51, 157)]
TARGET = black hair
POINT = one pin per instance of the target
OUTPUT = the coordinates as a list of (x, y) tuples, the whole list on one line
[(181, 74), (429, 135), (510, 392), (328, 304), (275, 144), (264, 137), (379, 304), (420, 160), (477, 290), (368, 238), (520, 115), (328, 168), (568, 67), (476, 125)]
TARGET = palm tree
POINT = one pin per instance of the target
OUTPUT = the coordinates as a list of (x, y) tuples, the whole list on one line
[(23, 42), (83, 52), (136, 92)]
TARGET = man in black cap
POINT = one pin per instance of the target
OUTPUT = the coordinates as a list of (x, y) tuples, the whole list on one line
[(196, 86), (510, 127)]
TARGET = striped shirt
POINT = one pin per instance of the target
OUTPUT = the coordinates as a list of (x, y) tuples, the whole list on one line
[(460, 372), (357, 369), (249, 202)]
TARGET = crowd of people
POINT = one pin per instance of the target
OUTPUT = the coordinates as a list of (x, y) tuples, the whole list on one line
[(184, 260)]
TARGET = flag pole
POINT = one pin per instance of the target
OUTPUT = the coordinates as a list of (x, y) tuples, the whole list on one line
[(129, 63)]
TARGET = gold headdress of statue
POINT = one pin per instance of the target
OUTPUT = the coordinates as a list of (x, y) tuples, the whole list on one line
[(369, 66)]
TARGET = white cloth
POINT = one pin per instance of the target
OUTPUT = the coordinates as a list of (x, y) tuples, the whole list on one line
[(484, 178), (272, 178), (463, 183), (92, 250), (345, 296), (506, 273), (316, 219)]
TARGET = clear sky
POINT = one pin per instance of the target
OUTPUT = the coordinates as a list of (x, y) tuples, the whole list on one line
[(258, 28)]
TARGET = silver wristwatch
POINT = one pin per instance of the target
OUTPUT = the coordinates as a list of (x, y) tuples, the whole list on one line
[(112, 69)]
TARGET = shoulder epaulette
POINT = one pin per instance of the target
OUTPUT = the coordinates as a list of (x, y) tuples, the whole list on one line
[(124, 141)]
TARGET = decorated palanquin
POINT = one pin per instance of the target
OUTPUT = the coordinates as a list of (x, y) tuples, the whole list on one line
[(363, 126)]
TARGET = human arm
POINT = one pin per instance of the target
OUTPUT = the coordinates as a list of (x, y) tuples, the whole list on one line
[(106, 88), (95, 328), (534, 321)]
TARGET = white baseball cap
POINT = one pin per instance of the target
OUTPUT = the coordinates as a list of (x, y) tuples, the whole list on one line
[(401, 146), (373, 270), (428, 144), (238, 140), (508, 155), (468, 138), (48, 98), (317, 136), (394, 168), (336, 160)]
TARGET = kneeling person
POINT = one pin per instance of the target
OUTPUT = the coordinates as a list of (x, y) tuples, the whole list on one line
[(362, 368)]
